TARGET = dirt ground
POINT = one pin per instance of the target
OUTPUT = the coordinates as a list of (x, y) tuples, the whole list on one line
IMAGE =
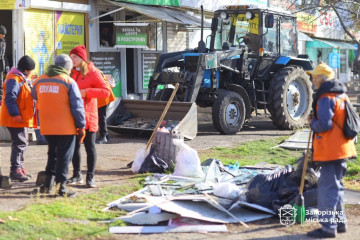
[(111, 170)]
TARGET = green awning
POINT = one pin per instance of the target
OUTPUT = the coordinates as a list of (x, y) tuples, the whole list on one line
[(329, 44), (163, 13)]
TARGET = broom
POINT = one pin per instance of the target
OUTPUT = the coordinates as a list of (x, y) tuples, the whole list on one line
[(299, 205), (142, 153)]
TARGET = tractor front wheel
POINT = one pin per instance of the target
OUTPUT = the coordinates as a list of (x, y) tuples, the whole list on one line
[(290, 98), (228, 112)]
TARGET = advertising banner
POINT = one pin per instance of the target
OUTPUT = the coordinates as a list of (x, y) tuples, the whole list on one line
[(306, 22), (149, 60), (70, 31), (13, 4), (39, 38), (109, 63)]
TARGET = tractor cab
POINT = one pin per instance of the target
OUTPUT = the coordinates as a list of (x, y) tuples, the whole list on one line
[(262, 31)]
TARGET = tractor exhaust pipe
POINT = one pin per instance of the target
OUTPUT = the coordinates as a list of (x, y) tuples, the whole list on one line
[(202, 23), (201, 44)]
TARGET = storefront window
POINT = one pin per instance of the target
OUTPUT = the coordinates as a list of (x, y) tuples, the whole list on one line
[(156, 39), (107, 30)]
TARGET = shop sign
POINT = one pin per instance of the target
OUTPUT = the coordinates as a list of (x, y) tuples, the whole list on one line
[(70, 31), (306, 22), (135, 35), (109, 63), (39, 38), (149, 60), (14, 4)]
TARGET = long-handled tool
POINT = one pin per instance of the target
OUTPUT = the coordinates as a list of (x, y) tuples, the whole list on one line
[(299, 205), (159, 122)]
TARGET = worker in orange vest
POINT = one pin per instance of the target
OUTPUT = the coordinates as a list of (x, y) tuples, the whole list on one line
[(331, 150), (62, 117), (17, 114)]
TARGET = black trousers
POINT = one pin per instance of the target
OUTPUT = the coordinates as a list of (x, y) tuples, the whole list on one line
[(1, 85), (103, 131), (19, 142), (60, 152), (89, 143)]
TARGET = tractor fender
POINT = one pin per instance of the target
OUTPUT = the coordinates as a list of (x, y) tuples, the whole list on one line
[(286, 61), (240, 90)]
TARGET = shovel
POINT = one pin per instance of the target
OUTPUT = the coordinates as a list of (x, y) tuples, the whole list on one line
[(142, 153), (299, 205)]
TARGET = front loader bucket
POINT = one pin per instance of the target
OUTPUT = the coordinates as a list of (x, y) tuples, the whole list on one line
[(137, 116)]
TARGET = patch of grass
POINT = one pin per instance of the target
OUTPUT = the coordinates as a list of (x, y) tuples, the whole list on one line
[(250, 153), (67, 218)]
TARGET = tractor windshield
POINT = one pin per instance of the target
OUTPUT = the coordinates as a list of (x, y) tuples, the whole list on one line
[(233, 30)]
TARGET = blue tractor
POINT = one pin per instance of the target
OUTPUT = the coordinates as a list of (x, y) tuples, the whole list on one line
[(248, 63)]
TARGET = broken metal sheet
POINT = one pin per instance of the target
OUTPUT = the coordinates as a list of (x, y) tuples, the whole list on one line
[(143, 218), (162, 229), (179, 178), (202, 210), (298, 141), (212, 172), (120, 200), (129, 207), (252, 206)]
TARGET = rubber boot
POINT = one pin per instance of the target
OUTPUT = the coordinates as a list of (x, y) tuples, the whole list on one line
[(63, 192), (48, 185)]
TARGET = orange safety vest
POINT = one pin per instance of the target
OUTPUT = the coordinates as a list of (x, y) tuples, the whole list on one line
[(24, 102), (54, 105), (333, 145)]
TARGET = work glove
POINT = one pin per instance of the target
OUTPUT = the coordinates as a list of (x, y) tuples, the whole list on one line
[(81, 134)]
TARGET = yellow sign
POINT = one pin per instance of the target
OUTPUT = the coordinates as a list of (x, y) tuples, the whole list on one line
[(39, 38), (244, 24), (70, 31), (13, 4)]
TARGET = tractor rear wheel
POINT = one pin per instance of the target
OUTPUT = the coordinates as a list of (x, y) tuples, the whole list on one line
[(290, 98), (228, 112)]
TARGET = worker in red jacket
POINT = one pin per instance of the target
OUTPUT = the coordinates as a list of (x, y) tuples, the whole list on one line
[(92, 86)]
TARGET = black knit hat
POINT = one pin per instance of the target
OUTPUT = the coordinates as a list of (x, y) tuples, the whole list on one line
[(26, 63), (2, 30)]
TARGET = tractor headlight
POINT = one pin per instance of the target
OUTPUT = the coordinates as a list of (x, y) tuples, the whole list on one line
[(223, 15), (249, 15)]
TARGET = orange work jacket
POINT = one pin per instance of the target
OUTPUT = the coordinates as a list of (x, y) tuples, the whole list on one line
[(54, 105), (333, 145), (24, 102)]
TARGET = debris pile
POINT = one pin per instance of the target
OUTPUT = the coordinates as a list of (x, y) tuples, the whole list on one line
[(204, 197)]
